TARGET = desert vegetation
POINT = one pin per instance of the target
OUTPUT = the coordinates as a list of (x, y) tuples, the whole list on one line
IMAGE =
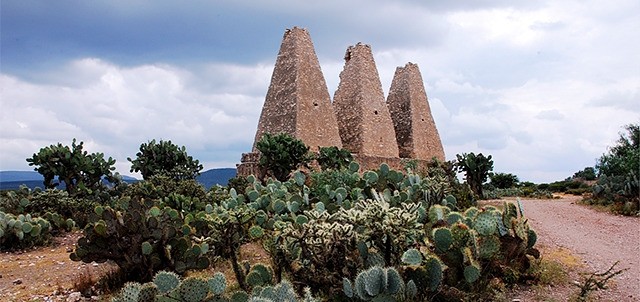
[(330, 232)]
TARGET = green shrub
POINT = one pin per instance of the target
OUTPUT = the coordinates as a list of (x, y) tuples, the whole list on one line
[(162, 186), (22, 231), (39, 203), (81, 172), (333, 158), (164, 158), (281, 154), (141, 239)]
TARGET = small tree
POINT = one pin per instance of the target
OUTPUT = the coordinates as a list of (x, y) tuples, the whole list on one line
[(281, 154), (476, 169), (75, 167), (165, 158), (334, 158), (589, 173), (503, 180), (618, 170), (624, 157)]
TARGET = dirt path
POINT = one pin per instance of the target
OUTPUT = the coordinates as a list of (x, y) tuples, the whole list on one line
[(597, 238)]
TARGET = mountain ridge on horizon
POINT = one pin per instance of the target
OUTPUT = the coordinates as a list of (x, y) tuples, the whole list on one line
[(12, 179)]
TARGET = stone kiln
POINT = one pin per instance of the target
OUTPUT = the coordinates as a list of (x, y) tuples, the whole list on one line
[(375, 131)]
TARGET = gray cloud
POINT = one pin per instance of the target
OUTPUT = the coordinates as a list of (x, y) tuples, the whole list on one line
[(536, 84)]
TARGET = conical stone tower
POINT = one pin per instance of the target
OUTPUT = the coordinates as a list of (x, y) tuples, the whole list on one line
[(363, 117), (415, 128), (298, 101)]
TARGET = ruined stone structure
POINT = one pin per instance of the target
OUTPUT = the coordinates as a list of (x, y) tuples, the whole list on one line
[(298, 101), (363, 117), (375, 131), (414, 126)]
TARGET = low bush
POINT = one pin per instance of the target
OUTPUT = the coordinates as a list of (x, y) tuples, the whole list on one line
[(22, 231)]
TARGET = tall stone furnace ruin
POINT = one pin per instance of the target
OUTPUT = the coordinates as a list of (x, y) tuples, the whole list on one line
[(359, 119)]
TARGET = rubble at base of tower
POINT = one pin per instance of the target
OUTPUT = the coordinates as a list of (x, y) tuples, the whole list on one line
[(359, 119)]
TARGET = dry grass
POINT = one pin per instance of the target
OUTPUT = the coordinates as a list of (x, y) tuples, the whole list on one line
[(556, 270)]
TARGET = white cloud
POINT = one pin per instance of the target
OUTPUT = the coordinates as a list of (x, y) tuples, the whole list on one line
[(114, 109), (543, 86)]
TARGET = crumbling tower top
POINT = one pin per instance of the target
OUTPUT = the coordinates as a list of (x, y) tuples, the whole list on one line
[(414, 125), (363, 117), (298, 101)]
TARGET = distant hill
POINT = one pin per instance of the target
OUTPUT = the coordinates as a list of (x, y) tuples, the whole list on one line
[(11, 180), (214, 177), (20, 176)]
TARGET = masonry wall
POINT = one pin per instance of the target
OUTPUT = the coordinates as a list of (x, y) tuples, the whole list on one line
[(363, 118), (416, 131), (360, 120), (298, 101)]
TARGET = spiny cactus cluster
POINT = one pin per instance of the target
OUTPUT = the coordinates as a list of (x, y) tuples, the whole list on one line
[(141, 239), (484, 236), (259, 275), (22, 230), (167, 286), (379, 284), (425, 272), (319, 234), (58, 222)]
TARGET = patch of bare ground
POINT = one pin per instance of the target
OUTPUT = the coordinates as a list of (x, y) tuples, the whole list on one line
[(46, 273), (583, 240)]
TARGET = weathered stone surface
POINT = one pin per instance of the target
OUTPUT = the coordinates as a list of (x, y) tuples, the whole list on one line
[(298, 101), (363, 117), (415, 128)]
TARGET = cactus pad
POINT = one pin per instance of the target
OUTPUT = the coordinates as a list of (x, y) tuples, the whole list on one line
[(193, 290), (148, 293), (531, 238), (166, 281), (460, 234), (485, 224), (412, 257), (454, 217), (471, 273), (488, 246), (442, 238), (217, 283)]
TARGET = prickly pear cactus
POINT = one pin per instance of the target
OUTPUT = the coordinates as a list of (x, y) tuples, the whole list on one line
[(166, 281), (260, 275), (151, 239), (22, 231), (376, 283), (193, 290)]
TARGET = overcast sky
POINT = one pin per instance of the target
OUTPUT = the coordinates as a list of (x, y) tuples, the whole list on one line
[(543, 86)]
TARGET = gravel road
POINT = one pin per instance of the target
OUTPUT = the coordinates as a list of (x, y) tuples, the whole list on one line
[(599, 239)]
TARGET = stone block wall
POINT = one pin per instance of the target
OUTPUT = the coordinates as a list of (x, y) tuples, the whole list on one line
[(363, 116), (298, 101), (415, 128)]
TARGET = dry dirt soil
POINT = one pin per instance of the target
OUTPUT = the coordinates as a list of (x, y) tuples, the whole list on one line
[(585, 240), (590, 241)]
